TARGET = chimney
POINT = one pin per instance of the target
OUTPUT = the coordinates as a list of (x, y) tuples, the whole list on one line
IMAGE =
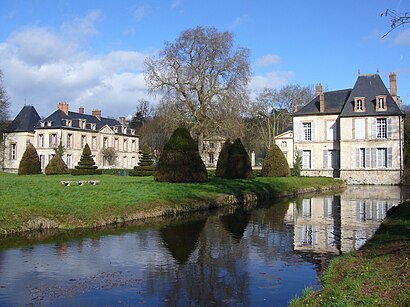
[(63, 106), (96, 113), (319, 89), (321, 102), (393, 85), (122, 120), (295, 108), (81, 110)]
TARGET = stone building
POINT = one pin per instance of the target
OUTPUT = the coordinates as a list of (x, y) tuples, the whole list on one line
[(211, 148), (355, 134), (284, 140), (72, 130)]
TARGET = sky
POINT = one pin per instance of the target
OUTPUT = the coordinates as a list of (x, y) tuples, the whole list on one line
[(91, 53)]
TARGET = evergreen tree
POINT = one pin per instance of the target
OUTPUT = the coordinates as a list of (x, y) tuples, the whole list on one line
[(86, 165), (56, 166), (30, 162), (239, 163), (275, 164), (144, 167), (223, 159)]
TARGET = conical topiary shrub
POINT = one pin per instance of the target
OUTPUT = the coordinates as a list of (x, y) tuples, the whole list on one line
[(275, 164), (223, 159), (30, 162), (239, 163), (56, 166), (144, 167), (86, 165), (180, 160)]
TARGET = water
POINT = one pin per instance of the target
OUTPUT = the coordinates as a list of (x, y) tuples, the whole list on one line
[(259, 257)]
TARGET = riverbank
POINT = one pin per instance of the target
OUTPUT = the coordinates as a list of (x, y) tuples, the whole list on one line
[(376, 275), (43, 202)]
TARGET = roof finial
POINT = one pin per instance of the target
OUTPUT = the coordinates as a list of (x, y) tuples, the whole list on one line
[(358, 72), (377, 70)]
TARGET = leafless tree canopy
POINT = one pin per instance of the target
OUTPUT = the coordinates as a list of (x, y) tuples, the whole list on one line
[(200, 74), (4, 101), (396, 19)]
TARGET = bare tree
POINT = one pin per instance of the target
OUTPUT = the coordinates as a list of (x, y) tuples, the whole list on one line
[(197, 74), (292, 95), (110, 155), (396, 19), (4, 114)]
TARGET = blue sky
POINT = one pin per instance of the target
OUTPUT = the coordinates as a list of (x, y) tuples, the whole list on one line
[(91, 53)]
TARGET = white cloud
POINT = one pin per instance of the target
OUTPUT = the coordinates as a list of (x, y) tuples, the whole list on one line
[(176, 3), (139, 13), (403, 38), (273, 79), (267, 60), (43, 66)]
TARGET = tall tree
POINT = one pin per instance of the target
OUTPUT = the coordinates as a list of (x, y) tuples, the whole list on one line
[(397, 19), (4, 106), (143, 113), (197, 74)]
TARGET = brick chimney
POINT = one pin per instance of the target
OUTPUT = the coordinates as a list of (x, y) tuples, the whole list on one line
[(122, 120), (321, 102), (393, 85), (319, 89), (96, 113), (81, 110), (63, 106)]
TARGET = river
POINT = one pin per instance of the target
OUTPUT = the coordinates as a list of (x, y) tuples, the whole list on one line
[(231, 257)]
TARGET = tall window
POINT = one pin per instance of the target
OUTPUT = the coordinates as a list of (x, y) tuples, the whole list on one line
[(331, 130), (116, 144), (53, 140), (83, 141), (284, 144), (105, 142), (306, 158), (359, 104), (69, 140), (69, 161), (125, 147), (381, 128), (360, 128), (381, 103), (211, 158), (133, 147), (41, 140), (41, 157), (362, 157), (94, 142), (307, 131), (381, 157), (13, 151)]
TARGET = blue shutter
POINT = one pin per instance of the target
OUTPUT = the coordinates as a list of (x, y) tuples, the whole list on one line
[(374, 157), (367, 158), (389, 157), (374, 128), (389, 128), (357, 155), (325, 158)]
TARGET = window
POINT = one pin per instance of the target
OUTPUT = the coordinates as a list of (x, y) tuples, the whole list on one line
[(211, 158), (69, 140), (306, 159), (116, 144), (362, 157), (41, 157), (133, 147), (13, 151), (381, 128), (41, 140), (42, 124), (307, 131), (331, 159), (69, 161), (359, 104), (53, 140), (105, 142), (306, 207), (381, 103), (83, 141), (211, 145), (124, 161), (381, 159), (331, 130), (94, 142), (284, 144), (125, 147), (360, 128)]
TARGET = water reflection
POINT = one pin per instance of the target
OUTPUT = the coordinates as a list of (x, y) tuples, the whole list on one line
[(232, 257), (341, 223)]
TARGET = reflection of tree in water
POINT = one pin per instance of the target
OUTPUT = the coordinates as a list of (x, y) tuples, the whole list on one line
[(181, 240), (236, 223)]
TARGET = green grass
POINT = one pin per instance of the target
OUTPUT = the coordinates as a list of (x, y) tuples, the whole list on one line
[(27, 201), (376, 275)]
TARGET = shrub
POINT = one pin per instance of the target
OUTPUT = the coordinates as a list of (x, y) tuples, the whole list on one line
[(275, 164), (180, 160), (297, 165), (30, 162), (239, 163), (86, 165), (223, 159), (56, 166), (144, 167)]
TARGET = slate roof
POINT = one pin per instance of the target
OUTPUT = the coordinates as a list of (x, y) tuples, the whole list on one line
[(334, 102), (369, 86), (287, 129), (26, 120)]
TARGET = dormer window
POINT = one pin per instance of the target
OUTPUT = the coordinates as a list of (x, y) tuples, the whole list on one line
[(359, 104), (132, 131), (68, 122), (116, 129), (49, 124), (124, 129), (381, 103), (82, 124), (42, 124), (93, 126)]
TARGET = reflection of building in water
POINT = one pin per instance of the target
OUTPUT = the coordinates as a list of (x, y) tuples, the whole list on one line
[(334, 224)]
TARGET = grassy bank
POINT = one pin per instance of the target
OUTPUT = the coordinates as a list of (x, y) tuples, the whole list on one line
[(376, 275), (38, 201)]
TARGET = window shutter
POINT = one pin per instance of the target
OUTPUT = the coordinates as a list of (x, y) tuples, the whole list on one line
[(313, 126), (367, 158), (325, 158), (389, 157), (373, 157), (336, 159), (357, 155), (299, 134), (389, 128), (374, 128)]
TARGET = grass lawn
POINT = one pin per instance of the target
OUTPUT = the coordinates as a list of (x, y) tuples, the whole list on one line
[(376, 275), (28, 202)]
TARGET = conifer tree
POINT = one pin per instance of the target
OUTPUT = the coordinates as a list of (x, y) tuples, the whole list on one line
[(30, 162)]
